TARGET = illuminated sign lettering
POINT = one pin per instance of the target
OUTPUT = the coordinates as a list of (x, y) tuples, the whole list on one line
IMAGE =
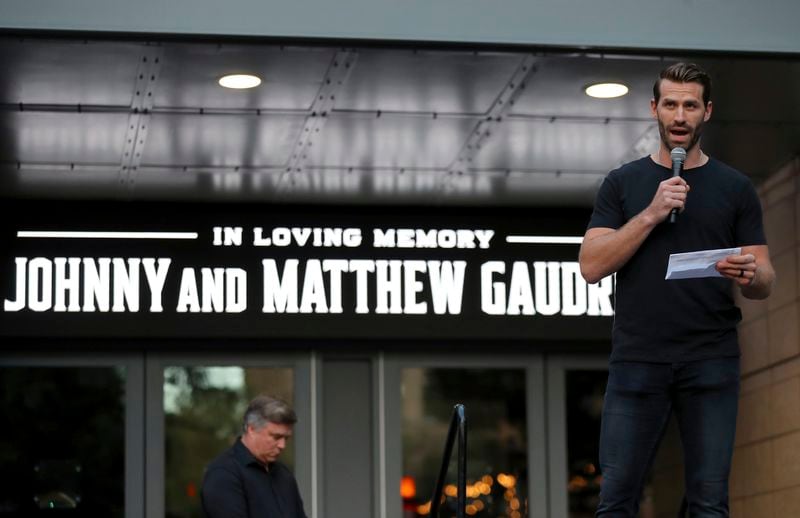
[(316, 285)]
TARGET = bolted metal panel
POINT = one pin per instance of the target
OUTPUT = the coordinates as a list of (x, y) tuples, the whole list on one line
[(341, 66), (558, 145), (62, 137), (221, 140), (72, 181), (138, 126), (67, 72), (501, 106), (73, 126), (557, 90), (291, 76), (390, 141), (426, 81), (207, 183)]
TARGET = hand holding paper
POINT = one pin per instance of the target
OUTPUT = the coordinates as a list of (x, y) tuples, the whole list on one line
[(695, 265)]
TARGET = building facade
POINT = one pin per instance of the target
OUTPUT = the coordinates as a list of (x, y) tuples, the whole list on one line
[(387, 227)]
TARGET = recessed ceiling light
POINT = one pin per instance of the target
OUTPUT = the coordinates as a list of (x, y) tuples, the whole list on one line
[(606, 90), (239, 81)]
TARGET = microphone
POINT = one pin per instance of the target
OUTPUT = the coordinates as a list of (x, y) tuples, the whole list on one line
[(678, 156)]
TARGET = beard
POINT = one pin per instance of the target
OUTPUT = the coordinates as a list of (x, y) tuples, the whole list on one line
[(694, 135)]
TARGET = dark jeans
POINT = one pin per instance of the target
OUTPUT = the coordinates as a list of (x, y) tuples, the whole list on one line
[(638, 402)]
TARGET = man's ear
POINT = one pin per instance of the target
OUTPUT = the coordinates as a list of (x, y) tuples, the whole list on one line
[(653, 106), (709, 108)]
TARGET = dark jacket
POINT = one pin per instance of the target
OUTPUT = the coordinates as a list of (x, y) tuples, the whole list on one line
[(236, 485)]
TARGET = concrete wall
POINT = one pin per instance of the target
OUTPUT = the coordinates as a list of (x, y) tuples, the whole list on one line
[(765, 482), (727, 25)]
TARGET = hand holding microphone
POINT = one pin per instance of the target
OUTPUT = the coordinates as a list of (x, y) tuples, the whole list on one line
[(671, 194), (678, 156)]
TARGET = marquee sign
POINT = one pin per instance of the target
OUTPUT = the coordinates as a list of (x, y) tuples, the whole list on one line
[(389, 275)]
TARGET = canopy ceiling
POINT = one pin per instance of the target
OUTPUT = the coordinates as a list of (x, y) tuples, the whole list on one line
[(130, 119)]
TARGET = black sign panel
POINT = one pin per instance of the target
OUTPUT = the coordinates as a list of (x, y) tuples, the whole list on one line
[(185, 270)]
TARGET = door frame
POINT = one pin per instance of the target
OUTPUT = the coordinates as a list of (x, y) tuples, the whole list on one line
[(556, 369), (134, 407), (304, 406), (391, 461)]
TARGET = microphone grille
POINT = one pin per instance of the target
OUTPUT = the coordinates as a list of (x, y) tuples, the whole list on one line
[(678, 154)]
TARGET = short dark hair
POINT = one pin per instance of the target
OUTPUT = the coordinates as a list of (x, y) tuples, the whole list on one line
[(684, 73), (268, 409)]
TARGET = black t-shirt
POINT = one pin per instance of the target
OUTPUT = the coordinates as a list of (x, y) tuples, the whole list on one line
[(677, 320)]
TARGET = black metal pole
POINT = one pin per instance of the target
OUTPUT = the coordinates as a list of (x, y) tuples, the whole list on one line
[(461, 504), (457, 426)]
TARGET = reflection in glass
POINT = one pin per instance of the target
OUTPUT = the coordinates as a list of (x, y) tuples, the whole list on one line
[(584, 406), (496, 439), (62, 446), (203, 408)]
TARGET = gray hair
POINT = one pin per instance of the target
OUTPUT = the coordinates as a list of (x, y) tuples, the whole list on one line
[(267, 409)]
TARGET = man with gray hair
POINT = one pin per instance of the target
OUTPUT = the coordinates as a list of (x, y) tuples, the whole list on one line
[(247, 481)]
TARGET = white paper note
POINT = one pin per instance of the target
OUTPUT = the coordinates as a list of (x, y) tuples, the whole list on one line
[(694, 265)]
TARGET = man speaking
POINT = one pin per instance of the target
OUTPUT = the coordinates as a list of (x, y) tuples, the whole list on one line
[(674, 341)]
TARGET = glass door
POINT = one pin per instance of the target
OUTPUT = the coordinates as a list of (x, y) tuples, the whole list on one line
[(576, 387), (71, 442), (503, 398), (195, 413)]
